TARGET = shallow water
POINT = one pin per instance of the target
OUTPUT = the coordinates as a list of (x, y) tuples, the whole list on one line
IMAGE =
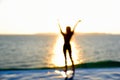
[(80, 74)]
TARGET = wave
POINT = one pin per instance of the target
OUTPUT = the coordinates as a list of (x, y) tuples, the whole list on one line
[(100, 64)]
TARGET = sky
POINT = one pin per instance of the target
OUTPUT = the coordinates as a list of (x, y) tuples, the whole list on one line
[(41, 16)]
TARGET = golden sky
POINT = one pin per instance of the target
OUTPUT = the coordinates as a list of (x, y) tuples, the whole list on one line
[(36, 16)]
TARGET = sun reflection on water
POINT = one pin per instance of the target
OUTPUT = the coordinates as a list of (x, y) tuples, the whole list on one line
[(58, 56)]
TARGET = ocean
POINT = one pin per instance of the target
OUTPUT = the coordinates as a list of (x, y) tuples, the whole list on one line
[(43, 54)]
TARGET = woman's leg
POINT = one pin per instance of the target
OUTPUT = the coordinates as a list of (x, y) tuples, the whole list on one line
[(70, 54), (64, 50)]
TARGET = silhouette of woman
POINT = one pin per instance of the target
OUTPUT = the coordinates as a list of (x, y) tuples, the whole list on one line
[(67, 37)]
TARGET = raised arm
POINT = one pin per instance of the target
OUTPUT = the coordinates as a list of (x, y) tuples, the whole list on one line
[(60, 28), (76, 25)]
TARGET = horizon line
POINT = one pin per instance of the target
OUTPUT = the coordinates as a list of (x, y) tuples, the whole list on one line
[(48, 33)]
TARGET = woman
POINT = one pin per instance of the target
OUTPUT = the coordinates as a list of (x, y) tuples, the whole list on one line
[(67, 37)]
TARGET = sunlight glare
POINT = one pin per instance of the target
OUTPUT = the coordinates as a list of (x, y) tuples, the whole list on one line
[(58, 56), (61, 72)]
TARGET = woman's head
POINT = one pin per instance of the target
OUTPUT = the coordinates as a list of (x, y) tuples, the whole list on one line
[(68, 29)]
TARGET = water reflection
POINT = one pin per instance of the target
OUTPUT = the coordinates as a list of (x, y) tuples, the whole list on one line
[(58, 56)]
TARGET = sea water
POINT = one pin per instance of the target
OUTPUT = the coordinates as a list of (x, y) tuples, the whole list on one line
[(25, 51), (36, 51), (29, 57)]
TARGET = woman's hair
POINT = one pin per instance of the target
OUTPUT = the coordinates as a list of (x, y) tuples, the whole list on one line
[(68, 29)]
